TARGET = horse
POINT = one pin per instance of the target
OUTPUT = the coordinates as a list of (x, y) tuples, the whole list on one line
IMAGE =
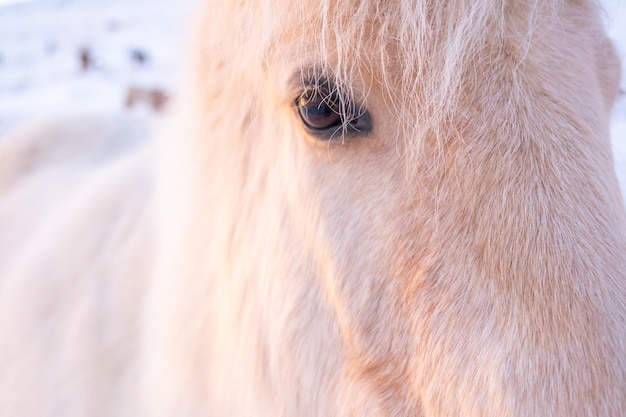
[(356, 208)]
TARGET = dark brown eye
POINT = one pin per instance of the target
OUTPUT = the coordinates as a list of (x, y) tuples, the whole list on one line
[(328, 115), (318, 110)]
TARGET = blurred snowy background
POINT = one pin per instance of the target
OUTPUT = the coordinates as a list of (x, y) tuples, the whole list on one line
[(63, 56)]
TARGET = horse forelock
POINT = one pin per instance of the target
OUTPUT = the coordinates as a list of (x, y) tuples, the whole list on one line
[(418, 51)]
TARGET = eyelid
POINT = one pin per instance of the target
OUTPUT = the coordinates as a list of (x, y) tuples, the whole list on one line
[(306, 78)]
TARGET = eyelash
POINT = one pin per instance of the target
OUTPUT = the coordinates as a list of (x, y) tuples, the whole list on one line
[(328, 114)]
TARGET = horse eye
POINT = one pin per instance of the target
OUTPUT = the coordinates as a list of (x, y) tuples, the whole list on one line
[(319, 110), (325, 115)]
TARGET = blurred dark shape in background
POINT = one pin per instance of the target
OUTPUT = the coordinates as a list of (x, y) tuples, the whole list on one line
[(155, 98)]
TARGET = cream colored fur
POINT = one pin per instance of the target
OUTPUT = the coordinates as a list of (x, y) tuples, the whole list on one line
[(75, 255), (466, 258)]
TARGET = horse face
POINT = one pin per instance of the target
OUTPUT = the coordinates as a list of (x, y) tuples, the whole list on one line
[(410, 216)]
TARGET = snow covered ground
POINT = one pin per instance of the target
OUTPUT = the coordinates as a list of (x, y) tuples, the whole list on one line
[(134, 44), (127, 43)]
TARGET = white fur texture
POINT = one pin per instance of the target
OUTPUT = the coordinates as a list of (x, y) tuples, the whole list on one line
[(465, 258)]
